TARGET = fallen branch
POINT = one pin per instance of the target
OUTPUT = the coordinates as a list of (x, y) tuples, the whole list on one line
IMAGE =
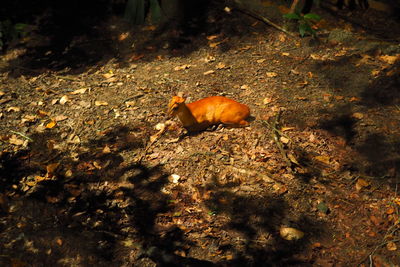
[(265, 20)]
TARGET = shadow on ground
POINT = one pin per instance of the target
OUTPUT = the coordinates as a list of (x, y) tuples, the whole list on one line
[(97, 209)]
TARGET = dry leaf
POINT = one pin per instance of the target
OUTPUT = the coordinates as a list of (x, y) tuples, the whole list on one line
[(60, 118), (208, 72), (51, 124), (212, 37), (108, 75), (391, 246), (284, 140), (284, 129), (51, 168), (73, 139), (361, 183), (130, 103), (290, 233), (209, 59), (64, 99), (183, 67), (42, 113), (267, 100), (292, 158), (13, 109), (106, 150), (123, 36), (271, 74), (2, 93), (220, 66), (79, 91), (285, 54), (358, 115), (15, 141), (389, 59), (59, 242), (323, 159), (100, 103), (29, 118), (261, 60), (244, 87), (174, 178)]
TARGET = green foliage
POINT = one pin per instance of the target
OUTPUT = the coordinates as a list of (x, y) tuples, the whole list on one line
[(10, 32), (305, 22)]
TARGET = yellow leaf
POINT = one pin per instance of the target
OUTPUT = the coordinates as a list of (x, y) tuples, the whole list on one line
[(212, 37), (323, 159), (79, 91), (358, 115), (284, 129), (271, 74), (51, 124), (51, 168), (389, 59), (391, 246), (208, 72), (13, 109), (220, 66), (100, 103), (42, 113)]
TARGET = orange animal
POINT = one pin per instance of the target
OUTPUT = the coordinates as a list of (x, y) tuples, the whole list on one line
[(201, 114)]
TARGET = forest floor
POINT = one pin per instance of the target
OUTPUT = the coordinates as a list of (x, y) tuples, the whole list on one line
[(312, 182)]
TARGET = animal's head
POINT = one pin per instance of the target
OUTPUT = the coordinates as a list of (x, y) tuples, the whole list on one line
[(174, 105)]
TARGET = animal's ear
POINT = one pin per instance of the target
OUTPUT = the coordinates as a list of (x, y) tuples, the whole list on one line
[(178, 99)]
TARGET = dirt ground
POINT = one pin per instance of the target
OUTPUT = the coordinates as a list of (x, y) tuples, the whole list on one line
[(87, 179)]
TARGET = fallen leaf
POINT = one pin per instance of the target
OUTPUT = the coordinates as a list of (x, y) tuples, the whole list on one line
[(212, 37), (284, 129), (244, 87), (292, 158), (100, 103), (290, 233), (123, 36), (323, 159), (79, 91), (59, 241), (361, 183), (391, 246), (358, 115), (354, 99), (285, 54), (130, 103), (261, 60), (29, 118), (271, 74), (13, 109), (15, 141), (208, 72), (108, 75), (174, 178), (51, 124), (209, 59), (220, 66), (183, 67), (51, 168), (389, 59), (267, 100), (284, 140), (73, 139), (64, 99), (60, 118), (42, 113)]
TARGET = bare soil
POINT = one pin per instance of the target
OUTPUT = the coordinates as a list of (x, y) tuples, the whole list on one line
[(79, 188)]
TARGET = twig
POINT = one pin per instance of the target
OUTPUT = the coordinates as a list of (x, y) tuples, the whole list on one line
[(23, 135), (276, 137), (265, 20), (153, 140)]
